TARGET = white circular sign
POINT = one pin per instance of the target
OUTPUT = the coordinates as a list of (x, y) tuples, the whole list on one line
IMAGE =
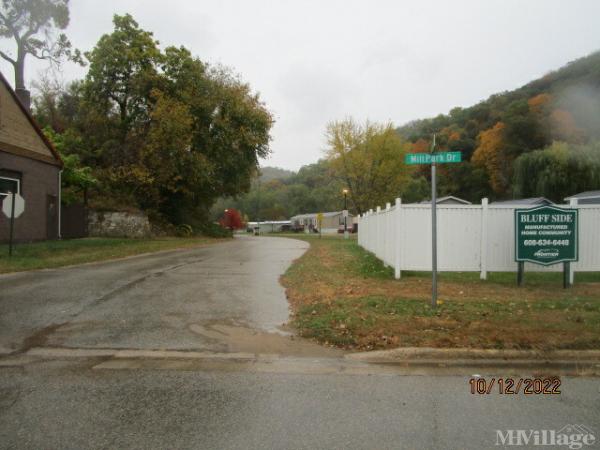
[(7, 205)]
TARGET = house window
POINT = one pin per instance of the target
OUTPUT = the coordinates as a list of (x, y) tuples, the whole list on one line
[(9, 182)]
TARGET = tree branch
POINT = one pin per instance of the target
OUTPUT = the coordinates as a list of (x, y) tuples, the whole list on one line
[(8, 58)]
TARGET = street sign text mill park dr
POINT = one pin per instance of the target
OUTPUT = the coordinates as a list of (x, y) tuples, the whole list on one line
[(428, 158)]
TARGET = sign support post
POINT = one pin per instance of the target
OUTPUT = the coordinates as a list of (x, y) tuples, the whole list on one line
[(433, 159), (12, 211), (433, 231), (566, 275), (520, 272), (12, 224)]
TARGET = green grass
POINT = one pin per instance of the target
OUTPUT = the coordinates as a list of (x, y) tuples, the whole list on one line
[(50, 254), (343, 295), (509, 278)]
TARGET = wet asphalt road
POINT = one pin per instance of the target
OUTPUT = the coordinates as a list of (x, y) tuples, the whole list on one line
[(169, 300), (177, 350)]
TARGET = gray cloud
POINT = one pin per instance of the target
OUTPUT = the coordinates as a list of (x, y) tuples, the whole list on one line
[(315, 61)]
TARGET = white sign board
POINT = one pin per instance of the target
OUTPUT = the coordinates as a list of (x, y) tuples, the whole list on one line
[(7, 205), (345, 213)]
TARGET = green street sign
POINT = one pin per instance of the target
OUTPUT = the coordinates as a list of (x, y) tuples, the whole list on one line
[(546, 235), (428, 158)]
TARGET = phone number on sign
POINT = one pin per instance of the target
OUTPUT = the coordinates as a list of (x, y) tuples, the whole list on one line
[(557, 242), (510, 386)]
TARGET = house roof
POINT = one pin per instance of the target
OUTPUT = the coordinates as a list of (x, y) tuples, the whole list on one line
[(525, 201), (271, 222), (325, 214), (58, 161), (586, 194), (448, 198)]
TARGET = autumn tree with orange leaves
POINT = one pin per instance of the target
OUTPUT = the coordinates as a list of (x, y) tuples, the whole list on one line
[(490, 154)]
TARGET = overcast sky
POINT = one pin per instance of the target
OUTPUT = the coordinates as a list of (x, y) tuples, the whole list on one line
[(314, 61)]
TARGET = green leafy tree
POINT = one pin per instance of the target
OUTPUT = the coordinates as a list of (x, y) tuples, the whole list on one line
[(369, 159), (558, 171), (76, 178), (164, 130)]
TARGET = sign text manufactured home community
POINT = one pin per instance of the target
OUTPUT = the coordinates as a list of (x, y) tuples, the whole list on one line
[(546, 235)]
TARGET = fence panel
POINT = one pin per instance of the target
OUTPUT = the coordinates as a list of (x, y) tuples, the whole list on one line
[(462, 238)]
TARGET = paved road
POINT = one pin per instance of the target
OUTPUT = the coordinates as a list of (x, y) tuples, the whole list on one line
[(224, 297), (184, 350)]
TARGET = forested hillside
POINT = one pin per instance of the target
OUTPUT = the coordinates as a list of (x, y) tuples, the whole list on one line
[(542, 139), (311, 189), (499, 138)]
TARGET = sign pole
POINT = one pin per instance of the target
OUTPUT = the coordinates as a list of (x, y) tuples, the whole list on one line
[(433, 159), (433, 231), (520, 270), (12, 225), (566, 274)]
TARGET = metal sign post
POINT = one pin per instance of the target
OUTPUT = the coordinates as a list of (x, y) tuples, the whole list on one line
[(12, 211), (433, 239), (433, 159), (12, 224)]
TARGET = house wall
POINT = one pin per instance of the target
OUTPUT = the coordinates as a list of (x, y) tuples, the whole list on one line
[(39, 180)]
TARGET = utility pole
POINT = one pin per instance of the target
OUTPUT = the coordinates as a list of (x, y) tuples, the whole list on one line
[(433, 229), (257, 233)]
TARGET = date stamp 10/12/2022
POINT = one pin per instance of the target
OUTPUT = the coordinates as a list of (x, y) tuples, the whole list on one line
[(515, 386)]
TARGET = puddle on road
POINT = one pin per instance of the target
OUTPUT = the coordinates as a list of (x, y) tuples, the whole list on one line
[(247, 340)]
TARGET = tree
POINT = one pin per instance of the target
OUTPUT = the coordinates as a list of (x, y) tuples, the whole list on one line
[(76, 179), (558, 171), (123, 72), (491, 155), (33, 24), (369, 159), (232, 219), (162, 129)]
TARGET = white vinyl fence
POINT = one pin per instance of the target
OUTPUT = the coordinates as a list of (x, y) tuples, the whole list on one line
[(476, 238)]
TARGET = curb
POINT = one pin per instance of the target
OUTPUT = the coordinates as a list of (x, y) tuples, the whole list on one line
[(481, 357)]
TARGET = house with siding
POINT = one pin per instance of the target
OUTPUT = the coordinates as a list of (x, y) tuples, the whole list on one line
[(332, 221), (29, 165), (585, 198)]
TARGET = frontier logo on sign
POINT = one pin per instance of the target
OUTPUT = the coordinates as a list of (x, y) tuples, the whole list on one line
[(546, 253), (572, 437)]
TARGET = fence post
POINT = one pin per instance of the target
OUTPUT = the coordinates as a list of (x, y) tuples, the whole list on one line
[(386, 232), (573, 204), (396, 221), (372, 224), (358, 221), (378, 237), (484, 238)]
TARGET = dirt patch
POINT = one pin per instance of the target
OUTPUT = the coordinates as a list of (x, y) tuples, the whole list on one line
[(240, 339), (39, 338)]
